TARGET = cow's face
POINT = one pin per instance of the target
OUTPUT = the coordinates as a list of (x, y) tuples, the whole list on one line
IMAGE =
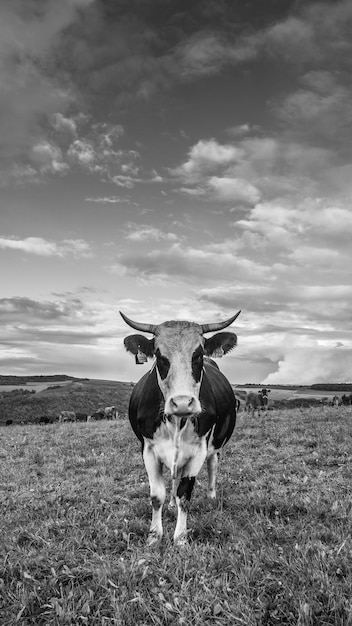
[(179, 348), (264, 395)]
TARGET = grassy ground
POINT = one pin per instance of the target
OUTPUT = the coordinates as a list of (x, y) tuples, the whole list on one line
[(275, 548)]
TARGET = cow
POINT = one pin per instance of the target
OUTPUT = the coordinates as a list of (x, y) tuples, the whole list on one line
[(237, 404), (346, 400), (8, 422), (257, 401), (81, 417), (110, 413), (335, 401), (67, 416), (96, 416), (182, 411), (44, 419)]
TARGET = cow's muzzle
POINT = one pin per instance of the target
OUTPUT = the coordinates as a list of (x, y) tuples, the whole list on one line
[(182, 406)]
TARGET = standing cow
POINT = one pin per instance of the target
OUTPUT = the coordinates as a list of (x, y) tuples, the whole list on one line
[(110, 413), (257, 401), (183, 410), (346, 400), (67, 416)]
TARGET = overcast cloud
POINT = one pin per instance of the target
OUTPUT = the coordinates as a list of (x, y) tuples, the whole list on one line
[(176, 162)]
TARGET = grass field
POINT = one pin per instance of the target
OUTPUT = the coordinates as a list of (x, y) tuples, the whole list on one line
[(274, 549)]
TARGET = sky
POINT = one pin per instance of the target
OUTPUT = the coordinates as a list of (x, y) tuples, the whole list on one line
[(176, 160)]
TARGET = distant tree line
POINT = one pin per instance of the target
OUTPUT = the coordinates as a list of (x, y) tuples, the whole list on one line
[(22, 380), (333, 386)]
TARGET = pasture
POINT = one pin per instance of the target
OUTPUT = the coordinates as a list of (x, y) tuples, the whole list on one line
[(275, 548)]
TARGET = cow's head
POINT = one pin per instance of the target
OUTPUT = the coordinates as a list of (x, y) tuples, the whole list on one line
[(264, 395), (179, 348)]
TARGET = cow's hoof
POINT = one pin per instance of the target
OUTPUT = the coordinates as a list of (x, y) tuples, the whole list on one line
[(181, 541), (153, 539)]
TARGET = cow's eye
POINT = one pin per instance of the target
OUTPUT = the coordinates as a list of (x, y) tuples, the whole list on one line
[(197, 364), (163, 364)]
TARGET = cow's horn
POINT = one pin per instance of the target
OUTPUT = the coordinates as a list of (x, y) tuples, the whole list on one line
[(145, 328), (211, 328)]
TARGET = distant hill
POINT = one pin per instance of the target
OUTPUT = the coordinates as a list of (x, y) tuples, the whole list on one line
[(80, 395), (23, 380)]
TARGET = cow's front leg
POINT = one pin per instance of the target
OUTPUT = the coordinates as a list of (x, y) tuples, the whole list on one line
[(172, 502), (212, 463), (157, 493), (184, 492)]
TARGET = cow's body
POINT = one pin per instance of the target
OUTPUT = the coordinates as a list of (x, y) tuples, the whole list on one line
[(110, 413), (81, 417), (182, 411), (96, 416), (44, 419), (346, 400), (257, 401), (67, 416)]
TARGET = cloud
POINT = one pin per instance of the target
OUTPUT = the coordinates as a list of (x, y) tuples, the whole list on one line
[(306, 366), (48, 158), (13, 309), (31, 91), (206, 53), (205, 156), (109, 200), (77, 248), (186, 264), (230, 189), (149, 233)]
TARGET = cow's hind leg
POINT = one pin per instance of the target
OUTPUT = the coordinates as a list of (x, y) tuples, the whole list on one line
[(212, 463), (157, 494)]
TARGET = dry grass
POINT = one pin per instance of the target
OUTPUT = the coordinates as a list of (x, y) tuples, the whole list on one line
[(275, 548)]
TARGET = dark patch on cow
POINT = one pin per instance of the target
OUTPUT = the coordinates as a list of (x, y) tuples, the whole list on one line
[(146, 406), (163, 364), (197, 363), (156, 503), (185, 487), (133, 343), (221, 341)]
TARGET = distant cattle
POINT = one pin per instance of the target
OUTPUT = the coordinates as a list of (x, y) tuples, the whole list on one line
[(257, 401), (81, 417), (8, 422), (346, 400), (335, 401), (96, 416), (67, 416), (44, 419), (183, 410), (110, 413), (237, 404)]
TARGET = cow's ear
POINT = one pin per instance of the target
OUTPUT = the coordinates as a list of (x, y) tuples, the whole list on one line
[(140, 346), (220, 344)]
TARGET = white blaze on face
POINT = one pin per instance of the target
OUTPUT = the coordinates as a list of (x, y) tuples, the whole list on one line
[(179, 365)]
